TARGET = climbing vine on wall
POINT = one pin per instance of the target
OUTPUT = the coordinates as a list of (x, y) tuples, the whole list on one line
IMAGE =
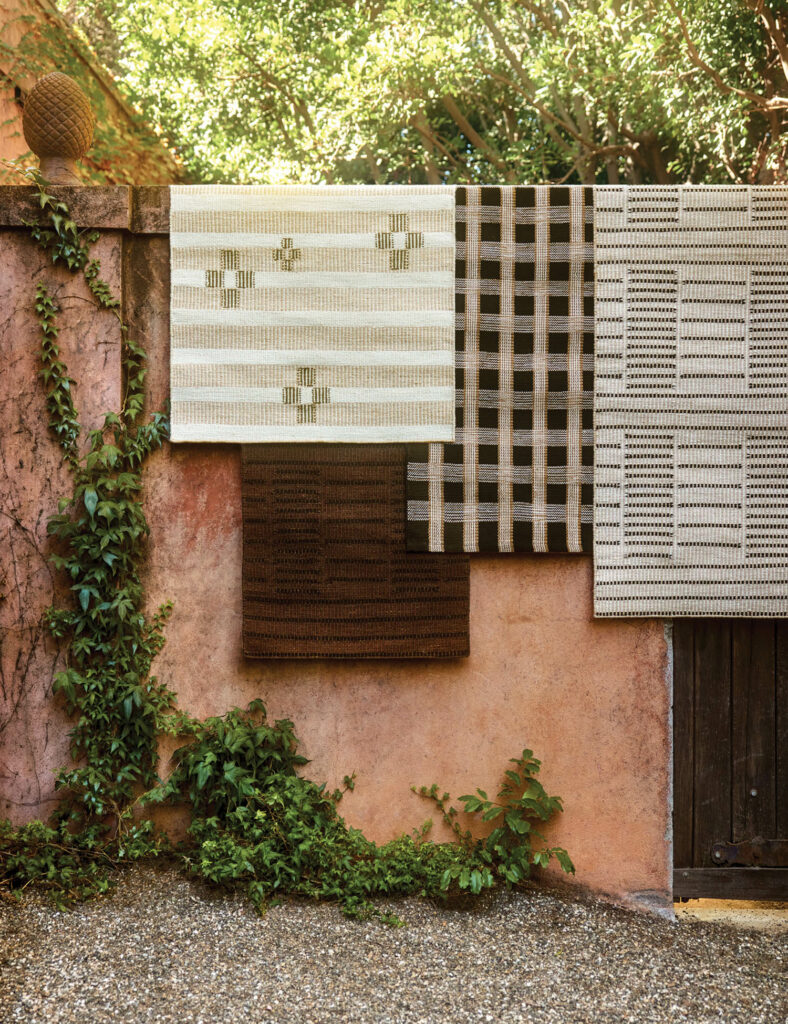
[(102, 532), (255, 820), (109, 642)]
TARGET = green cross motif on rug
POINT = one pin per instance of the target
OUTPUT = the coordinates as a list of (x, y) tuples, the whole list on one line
[(286, 255), (305, 396), (399, 240), (229, 278)]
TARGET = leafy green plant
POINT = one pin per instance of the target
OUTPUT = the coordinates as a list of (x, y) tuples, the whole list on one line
[(72, 867), (255, 820), (102, 531), (508, 851), (71, 864), (258, 823)]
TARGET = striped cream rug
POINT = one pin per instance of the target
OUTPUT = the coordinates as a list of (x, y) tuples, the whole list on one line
[(691, 401), (303, 313)]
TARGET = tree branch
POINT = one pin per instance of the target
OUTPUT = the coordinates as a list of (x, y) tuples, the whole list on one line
[(503, 46), (474, 138), (606, 153), (374, 170), (584, 126), (726, 160), (546, 113), (541, 16), (759, 101), (420, 123), (560, 106), (648, 142), (774, 29), (611, 138)]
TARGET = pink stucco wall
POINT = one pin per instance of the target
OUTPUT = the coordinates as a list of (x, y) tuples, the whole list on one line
[(591, 698)]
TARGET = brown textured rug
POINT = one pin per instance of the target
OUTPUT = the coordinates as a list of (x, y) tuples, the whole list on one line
[(325, 570)]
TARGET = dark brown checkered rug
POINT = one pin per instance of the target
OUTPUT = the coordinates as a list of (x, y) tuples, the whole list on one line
[(519, 476), (325, 570)]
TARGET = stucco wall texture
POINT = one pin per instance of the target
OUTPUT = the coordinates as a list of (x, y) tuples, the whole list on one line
[(591, 698)]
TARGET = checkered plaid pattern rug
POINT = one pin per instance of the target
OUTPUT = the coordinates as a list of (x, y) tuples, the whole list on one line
[(519, 476)]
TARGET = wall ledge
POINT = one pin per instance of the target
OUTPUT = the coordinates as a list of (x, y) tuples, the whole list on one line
[(141, 210)]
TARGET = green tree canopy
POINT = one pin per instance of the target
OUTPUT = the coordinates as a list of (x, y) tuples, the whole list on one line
[(456, 90)]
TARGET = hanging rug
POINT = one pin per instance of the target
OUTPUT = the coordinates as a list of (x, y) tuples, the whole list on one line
[(325, 570), (519, 476), (691, 401), (306, 313)]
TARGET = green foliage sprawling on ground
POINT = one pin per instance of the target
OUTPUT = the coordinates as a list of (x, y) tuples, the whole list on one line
[(460, 91), (255, 821), (507, 851)]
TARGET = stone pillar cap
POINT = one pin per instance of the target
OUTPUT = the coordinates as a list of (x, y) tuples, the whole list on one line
[(58, 122)]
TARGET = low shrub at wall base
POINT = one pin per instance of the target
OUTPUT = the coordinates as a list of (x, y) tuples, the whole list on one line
[(255, 820)]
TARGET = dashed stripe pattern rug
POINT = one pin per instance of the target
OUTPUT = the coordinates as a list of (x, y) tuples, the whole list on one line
[(519, 476), (691, 407), (325, 570), (304, 313)]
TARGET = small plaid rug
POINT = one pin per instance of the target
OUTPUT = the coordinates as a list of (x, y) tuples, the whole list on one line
[(519, 476)]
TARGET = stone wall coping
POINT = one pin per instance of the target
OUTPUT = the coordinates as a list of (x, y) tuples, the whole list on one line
[(140, 209)]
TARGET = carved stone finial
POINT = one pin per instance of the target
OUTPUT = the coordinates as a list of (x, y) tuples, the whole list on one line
[(58, 126)]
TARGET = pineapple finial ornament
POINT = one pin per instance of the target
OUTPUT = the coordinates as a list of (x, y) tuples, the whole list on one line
[(58, 126)]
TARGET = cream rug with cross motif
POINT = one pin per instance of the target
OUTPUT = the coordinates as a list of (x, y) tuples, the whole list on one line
[(312, 313)]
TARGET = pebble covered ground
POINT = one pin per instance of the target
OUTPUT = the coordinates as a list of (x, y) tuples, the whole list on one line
[(165, 950)]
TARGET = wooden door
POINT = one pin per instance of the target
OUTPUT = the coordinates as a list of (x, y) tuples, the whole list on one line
[(730, 734)]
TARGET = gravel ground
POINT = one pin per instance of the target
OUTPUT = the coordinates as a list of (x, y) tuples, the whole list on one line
[(166, 950)]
